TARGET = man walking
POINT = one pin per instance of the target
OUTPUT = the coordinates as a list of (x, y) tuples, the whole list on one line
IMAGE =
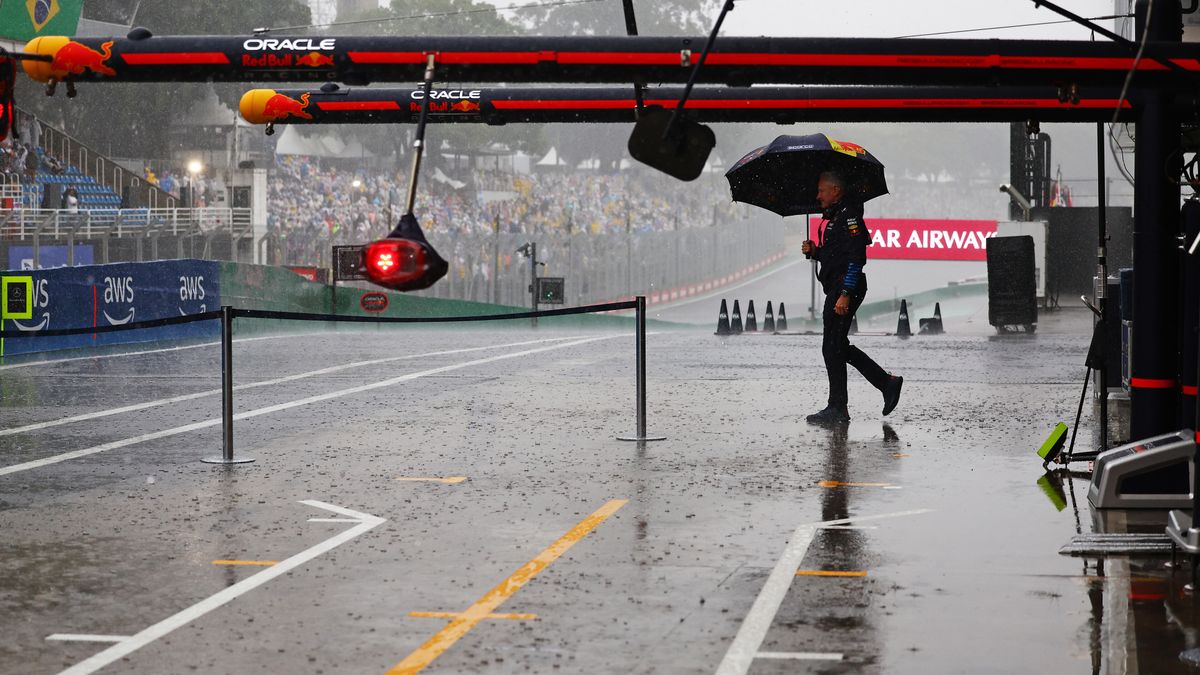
[(841, 253)]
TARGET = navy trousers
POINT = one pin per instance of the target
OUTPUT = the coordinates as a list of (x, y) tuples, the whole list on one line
[(837, 350)]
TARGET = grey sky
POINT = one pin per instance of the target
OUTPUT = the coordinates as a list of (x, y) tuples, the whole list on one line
[(894, 18)]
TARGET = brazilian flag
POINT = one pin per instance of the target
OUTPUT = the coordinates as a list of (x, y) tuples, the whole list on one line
[(23, 20)]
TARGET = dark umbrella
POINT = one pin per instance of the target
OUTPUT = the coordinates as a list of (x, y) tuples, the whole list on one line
[(782, 176)]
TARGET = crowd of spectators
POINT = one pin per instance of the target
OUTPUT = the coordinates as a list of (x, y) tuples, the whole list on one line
[(311, 205)]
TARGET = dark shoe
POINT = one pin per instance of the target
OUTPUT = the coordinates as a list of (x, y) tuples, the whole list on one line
[(829, 417), (891, 393)]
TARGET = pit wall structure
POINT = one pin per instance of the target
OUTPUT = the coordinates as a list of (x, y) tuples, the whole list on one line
[(119, 293)]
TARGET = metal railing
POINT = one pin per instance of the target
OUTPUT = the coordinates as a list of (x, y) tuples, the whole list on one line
[(10, 191), (208, 233), (71, 151)]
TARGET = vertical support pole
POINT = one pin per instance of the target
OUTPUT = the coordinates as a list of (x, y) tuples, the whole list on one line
[(1154, 391), (496, 259), (1102, 287), (640, 339), (227, 393), (533, 283)]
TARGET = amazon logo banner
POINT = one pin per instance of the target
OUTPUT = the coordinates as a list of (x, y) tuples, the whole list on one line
[(112, 295)]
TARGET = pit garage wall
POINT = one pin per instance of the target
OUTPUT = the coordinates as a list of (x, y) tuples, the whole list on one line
[(102, 295)]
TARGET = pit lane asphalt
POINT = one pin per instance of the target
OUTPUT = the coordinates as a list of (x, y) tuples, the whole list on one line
[(962, 575)]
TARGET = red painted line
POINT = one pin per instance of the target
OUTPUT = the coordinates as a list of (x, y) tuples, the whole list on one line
[(358, 105), (1151, 383), (386, 57), (176, 59), (822, 104), (482, 58), (672, 58)]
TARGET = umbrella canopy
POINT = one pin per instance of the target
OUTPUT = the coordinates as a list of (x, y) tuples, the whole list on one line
[(782, 175)]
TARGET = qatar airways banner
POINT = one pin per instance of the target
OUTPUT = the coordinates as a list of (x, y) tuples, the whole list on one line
[(924, 239)]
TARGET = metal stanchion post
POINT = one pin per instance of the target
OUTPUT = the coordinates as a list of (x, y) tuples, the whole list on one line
[(641, 377), (227, 393)]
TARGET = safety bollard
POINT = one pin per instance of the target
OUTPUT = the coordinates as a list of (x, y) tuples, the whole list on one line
[(640, 338), (227, 393)]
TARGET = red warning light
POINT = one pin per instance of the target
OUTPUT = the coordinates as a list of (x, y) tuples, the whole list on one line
[(404, 261), (390, 259)]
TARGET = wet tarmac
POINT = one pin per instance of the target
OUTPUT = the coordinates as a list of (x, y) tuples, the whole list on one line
[(456, 502)]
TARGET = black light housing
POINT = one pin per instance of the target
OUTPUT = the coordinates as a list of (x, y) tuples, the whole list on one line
[(405, 260)]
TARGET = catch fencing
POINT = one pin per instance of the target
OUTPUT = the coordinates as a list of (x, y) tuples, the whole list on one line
[(597, 267)]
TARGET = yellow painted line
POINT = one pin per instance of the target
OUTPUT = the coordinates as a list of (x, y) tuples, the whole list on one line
[(460, 626), (901, 454), (455, 615), (260, 563), (829, 573), (835, 484), (449, 480)]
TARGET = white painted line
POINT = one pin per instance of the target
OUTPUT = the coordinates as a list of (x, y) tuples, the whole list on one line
[(852, 527), (158, 630), (762, 613), (149, 351), (265, 383), (800, 656), (332, 520), (166, 433), (75, 637)]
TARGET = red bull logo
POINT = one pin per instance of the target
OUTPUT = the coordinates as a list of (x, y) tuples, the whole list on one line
[(847, 147), (445, 107), (75, 58), (280, 107), (315, 60)]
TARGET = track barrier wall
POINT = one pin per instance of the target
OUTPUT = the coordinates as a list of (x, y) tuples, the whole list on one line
[(96, 296)]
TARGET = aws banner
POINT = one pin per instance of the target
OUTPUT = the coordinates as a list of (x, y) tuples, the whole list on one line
[(109, 295), (924, 239)]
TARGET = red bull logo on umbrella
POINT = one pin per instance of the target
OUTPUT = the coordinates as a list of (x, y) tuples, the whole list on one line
[(846, 147)]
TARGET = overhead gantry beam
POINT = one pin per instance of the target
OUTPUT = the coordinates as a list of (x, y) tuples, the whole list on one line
[(735, 61), (783, 105)]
